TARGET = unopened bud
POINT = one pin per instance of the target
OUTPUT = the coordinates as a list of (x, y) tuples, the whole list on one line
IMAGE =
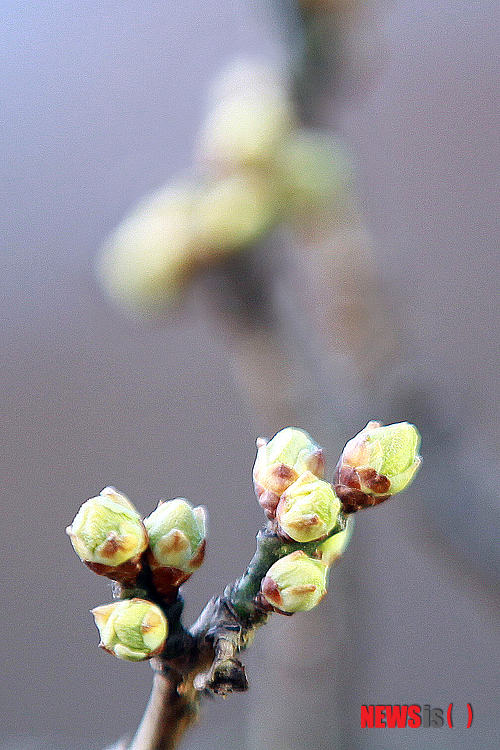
[(377, 463), (281, 461), (147, 260), (315, 172), (133, 629), (308, 509), (295, 583), (332, 548), (177, 534), (245, 128), (232, 212), (108, 535)]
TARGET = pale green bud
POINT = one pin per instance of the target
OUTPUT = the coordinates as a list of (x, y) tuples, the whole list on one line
[(133, 629), (145, 263), (281, 461), (332, 548), (232, 212), (308, 509), (108, 531), (245, 128), (377, 463), (315, 172), (295, 583), (177, 533)]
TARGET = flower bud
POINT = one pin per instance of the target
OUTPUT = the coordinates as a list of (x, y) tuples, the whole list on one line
[(308, 509), (332, 548), (108, 535), (281, 461), (315, 173), (133, 629), (245, 128), (176, 542), (232, 212), (147, 260), (377, 463), (295, 583)]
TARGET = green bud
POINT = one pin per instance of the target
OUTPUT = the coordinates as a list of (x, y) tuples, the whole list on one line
[(295, 583), (145, 263), (245, 128), (281, 461), (308, 509), (332, 548), (315, 172), (177, 533), (108, 531), (133, 629), (232, 212), (377, 463)]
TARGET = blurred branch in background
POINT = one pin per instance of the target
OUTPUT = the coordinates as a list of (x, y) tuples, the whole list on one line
[(265, 236)]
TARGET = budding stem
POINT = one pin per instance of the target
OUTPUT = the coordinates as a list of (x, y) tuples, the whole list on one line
[(270, 548)]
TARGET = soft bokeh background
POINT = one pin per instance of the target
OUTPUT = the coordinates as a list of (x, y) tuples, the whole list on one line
[(101, 104)]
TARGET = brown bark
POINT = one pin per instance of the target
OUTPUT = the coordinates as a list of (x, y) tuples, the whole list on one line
[(172, 708)]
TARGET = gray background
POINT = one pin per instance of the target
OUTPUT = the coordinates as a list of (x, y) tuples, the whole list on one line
[(101, 104)]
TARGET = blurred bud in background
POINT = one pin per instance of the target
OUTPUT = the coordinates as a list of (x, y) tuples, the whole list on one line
[(245, 128), (231, 213), (334, 547), (145, 263), (314, 171)]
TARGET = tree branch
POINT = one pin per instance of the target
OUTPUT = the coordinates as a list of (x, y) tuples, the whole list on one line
[(172, 708)]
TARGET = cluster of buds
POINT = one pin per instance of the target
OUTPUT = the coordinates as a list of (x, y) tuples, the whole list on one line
[(110, 537), (280, 462), (309, 527), (288, 482), (256, 167), (303, 508)]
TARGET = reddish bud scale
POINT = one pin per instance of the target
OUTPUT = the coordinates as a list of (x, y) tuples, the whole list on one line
[(277, 479), (348, 487), (126, 573), (167, 580), (268, 501), (269, 588)]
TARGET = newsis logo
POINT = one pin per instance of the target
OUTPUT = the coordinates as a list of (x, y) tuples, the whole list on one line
[(414, 716)]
